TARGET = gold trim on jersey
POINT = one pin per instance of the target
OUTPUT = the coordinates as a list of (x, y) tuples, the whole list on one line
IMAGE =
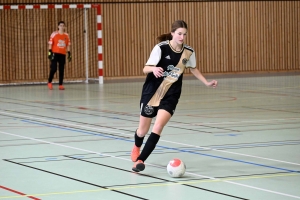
[(170, 78), (174, 49)]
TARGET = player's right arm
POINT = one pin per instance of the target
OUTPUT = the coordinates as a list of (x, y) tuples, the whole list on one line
[(50, 42), (154, 58), (157, 71)]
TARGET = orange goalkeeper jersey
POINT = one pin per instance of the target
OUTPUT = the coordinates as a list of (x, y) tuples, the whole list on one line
[(59, 42)]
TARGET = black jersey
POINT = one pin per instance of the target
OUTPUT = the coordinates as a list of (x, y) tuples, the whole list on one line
[(167, 87)]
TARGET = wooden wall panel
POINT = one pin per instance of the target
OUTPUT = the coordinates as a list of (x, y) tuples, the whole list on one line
[(228, 37), (233, 37)]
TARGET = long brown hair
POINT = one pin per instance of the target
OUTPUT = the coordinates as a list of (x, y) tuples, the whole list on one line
[(168, 36)]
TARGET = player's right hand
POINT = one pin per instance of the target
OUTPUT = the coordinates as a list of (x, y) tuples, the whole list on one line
[(50, 55), (158, 72)]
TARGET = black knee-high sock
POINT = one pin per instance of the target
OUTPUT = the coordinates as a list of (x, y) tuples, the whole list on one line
[(138, 140), (149, 146)]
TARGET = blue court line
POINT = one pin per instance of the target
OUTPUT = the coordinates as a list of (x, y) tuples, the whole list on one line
[(228, 134), (165, 147), (245, 145), (154, 151), (230, 159), (77, 156), (70, 129), (254, 145), (51, 159)]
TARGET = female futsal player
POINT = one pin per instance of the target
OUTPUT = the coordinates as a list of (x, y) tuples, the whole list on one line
[(162, 88)]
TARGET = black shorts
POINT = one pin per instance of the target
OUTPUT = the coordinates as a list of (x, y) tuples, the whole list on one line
[(150, 112)]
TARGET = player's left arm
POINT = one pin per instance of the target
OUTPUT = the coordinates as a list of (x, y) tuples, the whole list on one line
[(69, 50), (192, 65), (199, 76)]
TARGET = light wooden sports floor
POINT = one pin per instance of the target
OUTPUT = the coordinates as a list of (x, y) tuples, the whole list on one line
[(238, 141)]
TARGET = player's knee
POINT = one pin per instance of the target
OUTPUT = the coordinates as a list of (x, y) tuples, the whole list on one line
[(157, 128), (141, 132)]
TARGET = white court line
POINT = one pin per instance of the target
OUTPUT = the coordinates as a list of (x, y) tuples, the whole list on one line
[(251, 121), (265, 190), (212, 178), (195, 146), (241, 154), (248, 186)]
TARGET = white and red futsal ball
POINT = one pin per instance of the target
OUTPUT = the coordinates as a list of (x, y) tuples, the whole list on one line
[(176, 168)]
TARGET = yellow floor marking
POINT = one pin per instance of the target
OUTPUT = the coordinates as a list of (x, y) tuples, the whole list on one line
[(155, 185)]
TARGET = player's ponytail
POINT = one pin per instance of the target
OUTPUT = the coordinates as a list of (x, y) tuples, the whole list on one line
[(163, 37), (168, 36)]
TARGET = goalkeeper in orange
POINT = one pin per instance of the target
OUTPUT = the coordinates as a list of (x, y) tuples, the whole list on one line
[(59, 46)]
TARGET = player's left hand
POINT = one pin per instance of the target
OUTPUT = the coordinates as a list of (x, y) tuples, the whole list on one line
[(212, 83), (69, 56)]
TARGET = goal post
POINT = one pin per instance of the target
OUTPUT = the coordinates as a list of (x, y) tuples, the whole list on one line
[(24, 39)]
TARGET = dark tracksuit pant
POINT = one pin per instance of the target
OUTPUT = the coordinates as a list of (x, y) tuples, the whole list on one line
[(61, 60)]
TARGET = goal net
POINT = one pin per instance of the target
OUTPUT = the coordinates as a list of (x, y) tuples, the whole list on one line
[(24, 35)]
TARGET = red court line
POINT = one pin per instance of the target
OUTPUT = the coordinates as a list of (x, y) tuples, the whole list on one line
[(20, 193)]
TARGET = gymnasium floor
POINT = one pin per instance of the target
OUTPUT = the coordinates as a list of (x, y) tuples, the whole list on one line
[(238, 141)]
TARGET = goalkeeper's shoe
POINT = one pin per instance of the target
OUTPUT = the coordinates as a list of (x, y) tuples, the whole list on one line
[(61, 87), (50, 86)]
